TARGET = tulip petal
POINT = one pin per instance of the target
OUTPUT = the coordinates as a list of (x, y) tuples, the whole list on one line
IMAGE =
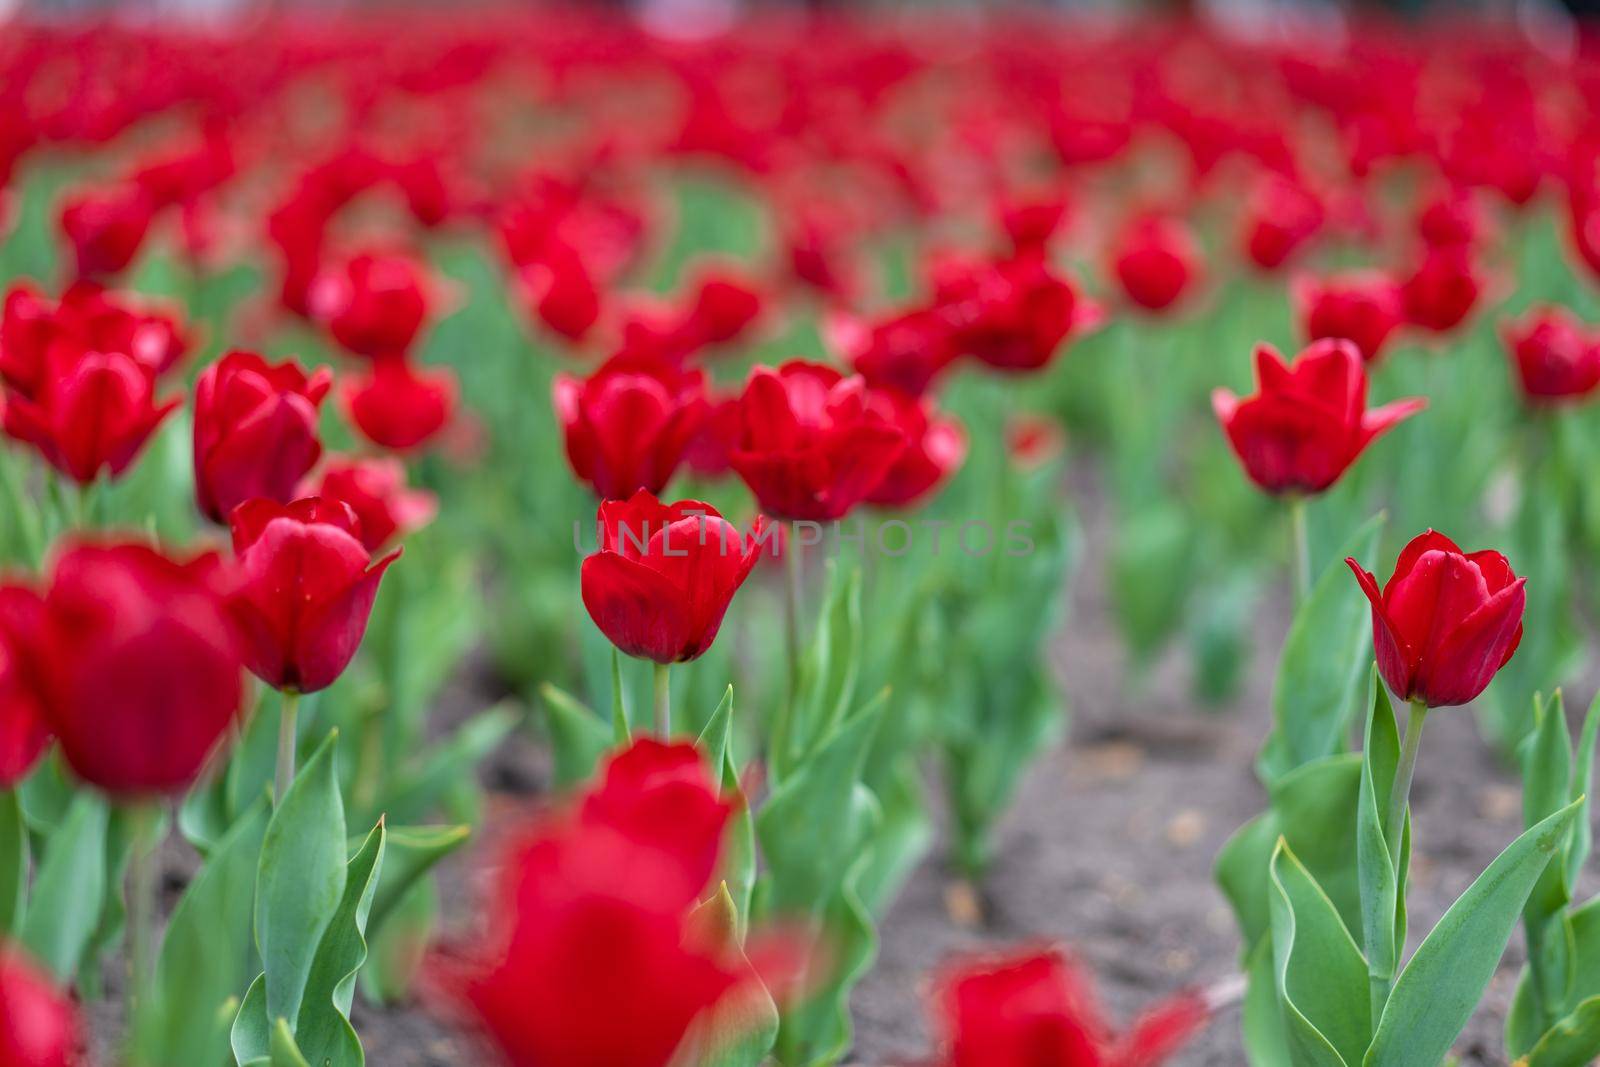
[(639, 610), (327, 638), (1380, 420), (1467, 659), (1395, 662)]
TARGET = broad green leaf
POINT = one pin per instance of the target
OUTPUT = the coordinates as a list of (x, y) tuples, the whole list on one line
[(1582, 778), (13, 863), (65, 906), (397, 951), (1266, 1041), (1547, 787), (1574, 1041), (718, 732), (819, 1031), (578, 737), (1440, 988), (741, 1029), (285, 1053), (323, 1032), (1319, 973)]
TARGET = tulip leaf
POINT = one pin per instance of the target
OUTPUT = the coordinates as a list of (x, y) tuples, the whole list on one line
[(1318, 684), (205, 953), (409, 853), (69, 891), (1319, 973), (740, 1030), (13, 863), (1546, 755), (1440, 988), (417, 793), (1574, 1041), (1381, 879), (830, 666), (718, 732), (324, 1032), (284, 1051), (621, 731), (398, 949), (120, 832), (578, 737)]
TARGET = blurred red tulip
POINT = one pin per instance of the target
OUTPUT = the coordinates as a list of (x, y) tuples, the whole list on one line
[(562, 292), (105, 228), (1013, 314), (374, 305), (1443, 290), (628, 424), (39, 1025), (1281, 216), (908, 350), (23, 732), (1308, 421), (87, 318), (375, 489), (723, 307), (664, 575), (255, 430), (398, 406), (1449, 218), (810, 444), (936, 446), (1363, 308), (1155, 261), (1446, 622), (1554, 356), (304, 590)]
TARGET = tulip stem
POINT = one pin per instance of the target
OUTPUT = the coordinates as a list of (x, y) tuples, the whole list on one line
[(663, 702), (1302, 549), (287, 735), (778, 742), (1400, 795)]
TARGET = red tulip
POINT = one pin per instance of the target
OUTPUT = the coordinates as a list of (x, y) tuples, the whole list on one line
[(627, 425), (1445, 622), (94, 411), (1444, 289), (1364, 309), (1554, 357), (374, 305), (1308, 422), (707, 454), (39, 1025), (105, 228), (1281, 217), (908, 351), (399, 406), (1014, 314), (936, 446), (724, 306), (139, 666), (375, 489), (255, 430), (810, 446), (23, 731), (1449, 218), (305, 590), (87, 318), (1039, 1009), (664, 575), (1155, 262), (1030, 222), (561, 291)]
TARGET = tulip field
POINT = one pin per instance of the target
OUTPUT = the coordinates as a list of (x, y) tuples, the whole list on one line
[(684, 535)]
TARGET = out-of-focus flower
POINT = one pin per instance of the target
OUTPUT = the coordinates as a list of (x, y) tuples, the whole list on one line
[(305, 587), (374, 487), (374, 305), (255, 430), (1030, 222), (1039, 1009), (1155, 261), (628, 424), (1307, 421), (1281, 216), (39, 1025), (1443, 290), (23, 730), (139, 665), (1013, 314), (664, 575), (1555, 358), (908, 351), (1363, 308), (105, 228), (661, 795), (562, 292), (1449, 218), (810, 444), (723, 307), (936, 446), (399, 406), (88, 318), (1446, 622)]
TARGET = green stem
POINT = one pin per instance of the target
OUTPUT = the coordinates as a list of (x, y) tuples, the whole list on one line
[(1302, 549), (25, 511), (663, 700), (145, 820), (778, 744), (287, 733), (1400, 795)]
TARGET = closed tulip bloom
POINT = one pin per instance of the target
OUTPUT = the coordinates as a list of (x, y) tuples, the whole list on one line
[(909, 350), (39, 1025), (93, 412), (562, 292), (23, 729), (1013, 315), (140, 666), (1281, 217), (105, 228), (305, 587), (375, 305), (1155, 261), (1446, 622), (1364, 309), (400, 406), (1308, 421), (255, 430), (1443, 290), (723, 307), (628, 424), (1554, 357), (1039, 1009), (375, 489), (810, 445), (664, 575), (86, 319), (936, 446)]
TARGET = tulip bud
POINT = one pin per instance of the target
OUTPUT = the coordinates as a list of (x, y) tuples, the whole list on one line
[(627, 425), (1155, 262), (1013, 314), (39, 1026), (374, 306), (1308, 422), (1364, 309), (375, 489), (305, 588), (1446, 622), (399, 406), (1444, 289), (1282, 215), (1553, 357), (139, 666), (105, 228), (908, 351)]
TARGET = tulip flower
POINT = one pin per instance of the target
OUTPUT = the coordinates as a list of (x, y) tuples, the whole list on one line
[(935, 448), (1308, 421), (39, 1025), (399, 406), (1281, 216), (93, 411), (105, 228), (561, 291), (255, 431), (375, 489), (1155, 261), (628, 424), (811, 446), (1449, 218), (139, 666), (1039, 1009), (374, 305), (909, 350), (723, 307), (87, 318), (1364, 309), (1554, 357), (23, 730), (1013, 315), (1443, 290)]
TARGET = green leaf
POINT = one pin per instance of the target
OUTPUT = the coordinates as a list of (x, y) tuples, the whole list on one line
[(70, 889), (301, 880), (410, 852), (1582, 778), (830, 665), (285, 1053), (324, 1032), (1440, 988), (397, 951), (1573, 1041), (414, 795), (13, 863), (1381, 881), (741, 1029), (718, 732), (205, 954), (1319, 973), (578, 737), (1318, 684)]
